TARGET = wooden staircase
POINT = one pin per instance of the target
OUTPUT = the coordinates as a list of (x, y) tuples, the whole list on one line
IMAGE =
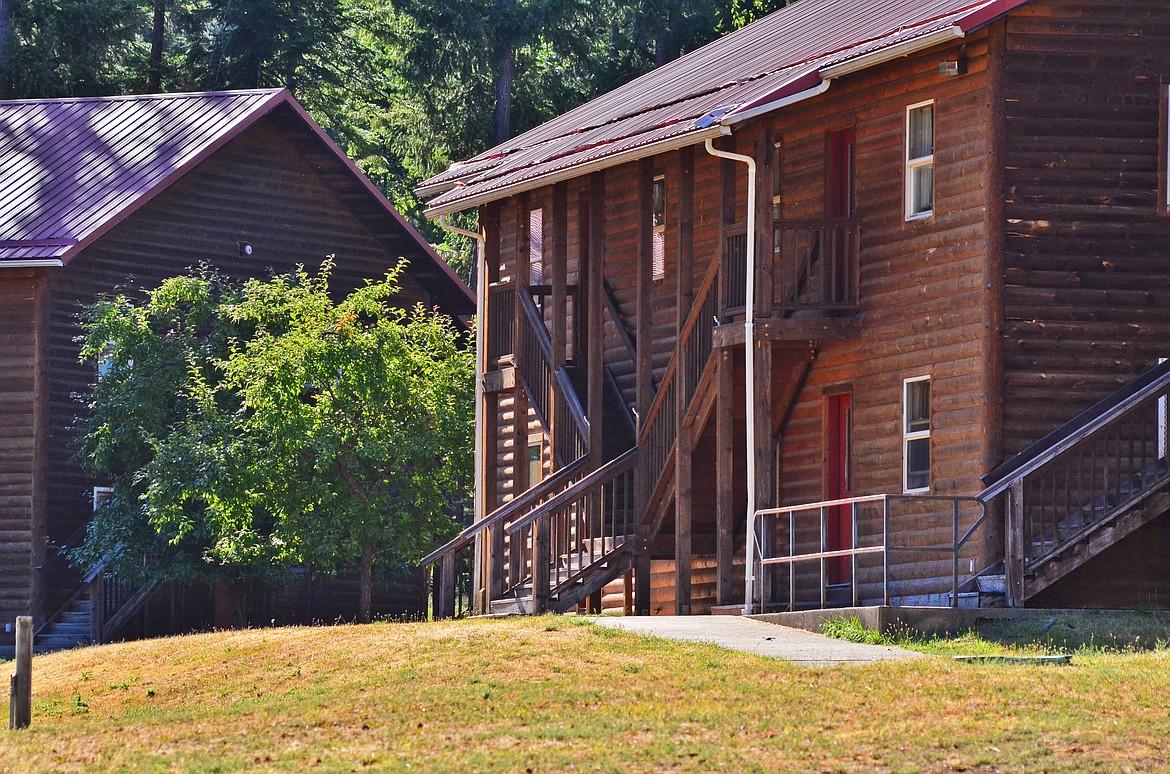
[(566, 537), (1085, 486)]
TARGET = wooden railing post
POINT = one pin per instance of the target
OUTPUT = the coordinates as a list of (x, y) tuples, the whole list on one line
[(1014, 555), (540, 564), (445, 587), (97, 608)]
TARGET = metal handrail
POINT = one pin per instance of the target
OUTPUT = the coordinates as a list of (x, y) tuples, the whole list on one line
[(885, 549)]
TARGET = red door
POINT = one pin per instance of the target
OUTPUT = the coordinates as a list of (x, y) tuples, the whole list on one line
[(839, 518)]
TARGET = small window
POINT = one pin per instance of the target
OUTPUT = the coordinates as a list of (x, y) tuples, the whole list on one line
[(916, 434), (658, 262), (101, 496), (105, 361), (919, 160), (536, 245), (535, 461)]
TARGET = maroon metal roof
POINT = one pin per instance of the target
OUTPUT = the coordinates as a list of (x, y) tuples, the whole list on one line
[(777, 56), (71, 169)]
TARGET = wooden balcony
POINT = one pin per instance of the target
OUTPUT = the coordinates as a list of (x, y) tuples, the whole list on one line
[(808, 288)]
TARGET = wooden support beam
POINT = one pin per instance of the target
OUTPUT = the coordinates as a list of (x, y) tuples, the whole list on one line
[(558, 267), (765, 459), (595, 321), (490, 548), (444, 601), (644, 389), (725, 516), (683, 517), (686, 233), (795, 330), (764, 263)]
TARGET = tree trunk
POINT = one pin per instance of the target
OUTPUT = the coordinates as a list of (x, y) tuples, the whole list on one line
[(505, 70), (154, 65), (4, 79), (366, 584)]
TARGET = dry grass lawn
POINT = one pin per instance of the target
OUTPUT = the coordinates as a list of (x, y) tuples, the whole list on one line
[(550, 694)]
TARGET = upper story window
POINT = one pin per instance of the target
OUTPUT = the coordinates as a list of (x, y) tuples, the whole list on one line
[(916, 434), (919, 160), (536, 245), (658, 260)]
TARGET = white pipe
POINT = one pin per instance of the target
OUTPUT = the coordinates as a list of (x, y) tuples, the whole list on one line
[(749, 341), (478, 503), (776, 104)]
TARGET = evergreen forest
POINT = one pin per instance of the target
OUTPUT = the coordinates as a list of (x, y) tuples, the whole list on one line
[(404, 86)]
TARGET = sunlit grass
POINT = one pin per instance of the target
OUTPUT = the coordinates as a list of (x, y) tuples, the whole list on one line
[(549, 693)]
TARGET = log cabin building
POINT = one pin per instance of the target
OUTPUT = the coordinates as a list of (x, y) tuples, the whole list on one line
[(98, 193), (863, 303)]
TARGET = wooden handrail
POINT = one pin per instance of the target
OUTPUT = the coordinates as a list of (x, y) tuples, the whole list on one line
[(679, 347), (524, 500), (612, 469), (533, 318), (1068, 435)]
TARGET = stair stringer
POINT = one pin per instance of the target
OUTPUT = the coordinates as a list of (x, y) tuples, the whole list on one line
[(1095, 541)]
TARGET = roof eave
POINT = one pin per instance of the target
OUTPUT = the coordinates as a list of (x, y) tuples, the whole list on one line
[(897, 51), (567, 173), (33, 263)]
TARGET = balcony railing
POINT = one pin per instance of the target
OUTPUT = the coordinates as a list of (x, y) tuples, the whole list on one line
[(814, 266)]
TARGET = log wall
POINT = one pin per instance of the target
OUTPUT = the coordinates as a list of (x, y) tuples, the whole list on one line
[(1087, 288), (21, 452), (923, 295)]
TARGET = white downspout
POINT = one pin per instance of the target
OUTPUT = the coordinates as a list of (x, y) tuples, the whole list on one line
[(480, 350), (749, 341)]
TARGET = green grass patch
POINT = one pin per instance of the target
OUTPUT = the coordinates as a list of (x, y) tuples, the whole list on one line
[(551, 693)]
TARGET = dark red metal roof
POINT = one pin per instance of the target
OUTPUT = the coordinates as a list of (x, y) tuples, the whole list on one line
[(71, 169), (777, 56)]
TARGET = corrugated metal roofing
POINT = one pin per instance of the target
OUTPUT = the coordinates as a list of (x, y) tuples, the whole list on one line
[(777, 56), (71, 169), (68, 167)]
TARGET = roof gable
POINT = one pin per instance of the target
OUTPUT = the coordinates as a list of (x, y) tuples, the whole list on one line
[(695, 96), (72, 169)]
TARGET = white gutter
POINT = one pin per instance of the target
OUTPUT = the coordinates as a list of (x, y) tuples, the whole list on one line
[(570, 172), (905, 48), (33, 263), (768, 107), (749, 342), (478, 509)]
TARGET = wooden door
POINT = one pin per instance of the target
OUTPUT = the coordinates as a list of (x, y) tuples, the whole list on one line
[(839, 427)]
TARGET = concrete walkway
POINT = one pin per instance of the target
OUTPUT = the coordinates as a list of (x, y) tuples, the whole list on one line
[(763, 639)]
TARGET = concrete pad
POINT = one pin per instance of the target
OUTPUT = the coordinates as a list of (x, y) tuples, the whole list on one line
[(763, 639)]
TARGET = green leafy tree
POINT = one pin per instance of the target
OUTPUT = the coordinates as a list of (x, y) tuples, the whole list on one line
[(365, 414), (247, 428)]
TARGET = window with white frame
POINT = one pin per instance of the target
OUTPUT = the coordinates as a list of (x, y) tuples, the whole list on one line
[(535, 460), (536, 245), (101, 496), (658, 260), (919, 160), (916, 434)]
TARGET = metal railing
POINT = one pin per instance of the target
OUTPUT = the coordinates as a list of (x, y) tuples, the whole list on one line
[(870, 532)]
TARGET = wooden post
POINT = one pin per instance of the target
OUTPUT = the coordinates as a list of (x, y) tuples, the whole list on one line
[(596, 352), (643, 374), (764, 263), (725, 479), (20, 714), (765, 459), (682, 520), (492, 543), (558, 268), (446, 587), (541, 547), (1013, 565), (686, 233), (97, 609)]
